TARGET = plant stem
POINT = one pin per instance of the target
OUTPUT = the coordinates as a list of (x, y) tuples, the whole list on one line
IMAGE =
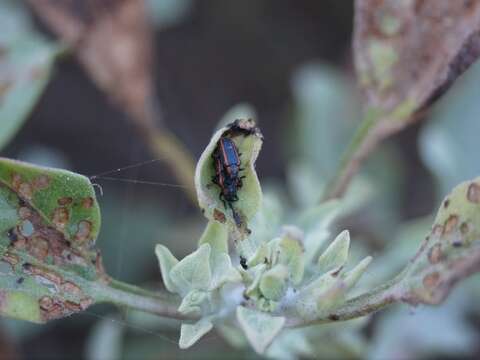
[(358, 149), (165, 145), (126, 295), (358, 306)]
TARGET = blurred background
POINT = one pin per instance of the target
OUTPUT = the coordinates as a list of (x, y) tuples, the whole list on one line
[(291, 61)]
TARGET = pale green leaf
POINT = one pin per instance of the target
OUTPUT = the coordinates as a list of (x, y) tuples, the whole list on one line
[(193, 271), (191, 333), (352, 276), (25, 68), (273, 282), (222, 270), (192, 302), (259, 327), (316, 222), (336, 255), (288, 250), (216, 235), (166, 261)]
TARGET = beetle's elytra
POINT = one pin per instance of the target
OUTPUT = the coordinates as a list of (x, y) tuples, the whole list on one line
[(227, 172), (227, 168)]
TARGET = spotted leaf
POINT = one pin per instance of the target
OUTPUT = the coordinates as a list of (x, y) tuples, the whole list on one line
[(49, 220)]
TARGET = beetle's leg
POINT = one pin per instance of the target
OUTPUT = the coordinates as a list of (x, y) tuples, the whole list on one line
[(222, 199)]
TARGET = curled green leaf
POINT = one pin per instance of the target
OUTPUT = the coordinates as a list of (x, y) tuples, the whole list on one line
[(235, 215)]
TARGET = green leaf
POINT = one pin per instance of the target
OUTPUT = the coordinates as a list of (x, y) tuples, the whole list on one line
[(191, 333), (288, 250), (222, 270), (49, 220), (192, 302), (193, 271), (216, 235), (321, 93), (336, 255), (273, 283), (167, 261), (448, 142), (316, 222), (352, 276), (319, 295), (259, 327), (25, 68), (450, 252), (250, 194)]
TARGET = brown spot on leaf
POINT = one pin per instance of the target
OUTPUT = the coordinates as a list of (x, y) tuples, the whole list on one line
[(47, 275), (65, 201), (21, 243), (450, 224), (435, 254), (41, 182), (72, 307), (430, 281), (87, 203), (61, 217), (38, 247), (25, 190), (71, 288), (52, 308), (85, 303), (464, 228), (45, 303), (84, 231), (219, 216), (4, 87), (24, 212), (16, 180), (473, 193)]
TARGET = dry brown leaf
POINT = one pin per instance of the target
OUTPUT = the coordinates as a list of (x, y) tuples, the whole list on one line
[(113, 41), (408, 52)]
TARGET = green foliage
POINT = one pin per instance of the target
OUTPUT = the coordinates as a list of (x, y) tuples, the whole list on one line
[(26, 61), (50, 220), (449, 142)]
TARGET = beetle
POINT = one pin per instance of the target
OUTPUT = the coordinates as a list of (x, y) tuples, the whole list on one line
[(227, 153), (228, 185)]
